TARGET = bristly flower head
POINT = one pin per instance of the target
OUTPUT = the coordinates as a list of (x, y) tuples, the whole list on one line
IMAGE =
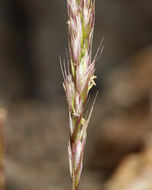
[(79, 79), (81, 26)]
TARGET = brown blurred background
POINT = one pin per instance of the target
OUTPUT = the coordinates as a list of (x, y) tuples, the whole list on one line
[(33, 34)]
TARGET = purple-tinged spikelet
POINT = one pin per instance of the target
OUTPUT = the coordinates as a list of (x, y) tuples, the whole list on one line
[(79, 79)]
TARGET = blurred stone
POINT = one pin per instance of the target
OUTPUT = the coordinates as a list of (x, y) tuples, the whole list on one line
[(131, 84), (134, 173)]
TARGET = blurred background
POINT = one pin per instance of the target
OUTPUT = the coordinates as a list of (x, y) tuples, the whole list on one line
[(34, 132)]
